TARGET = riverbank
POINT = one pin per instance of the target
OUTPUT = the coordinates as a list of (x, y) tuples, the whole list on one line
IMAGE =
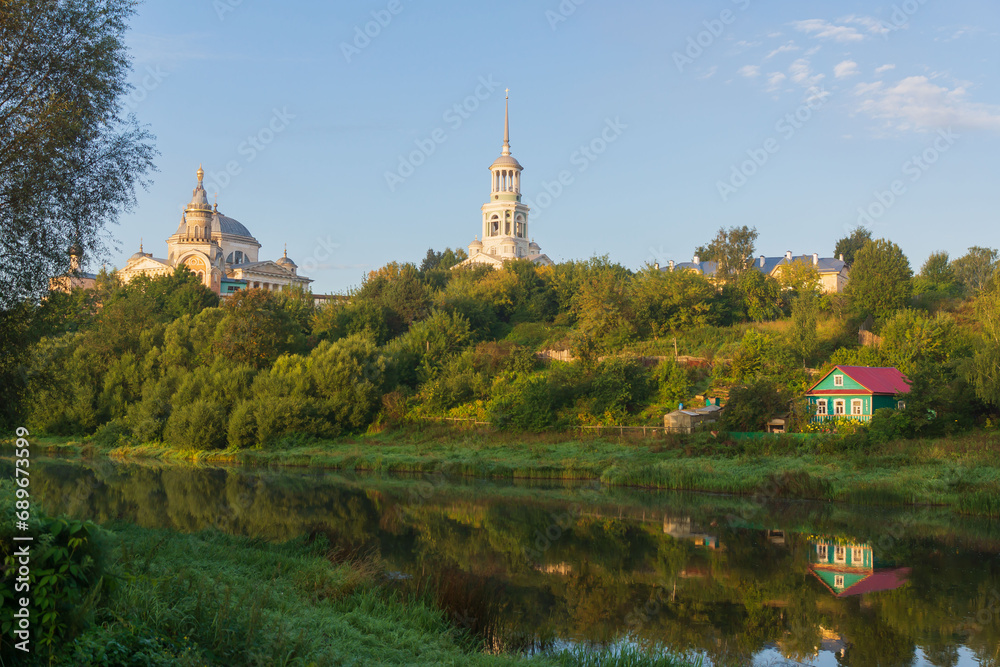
[(961, 472), (158, 597)]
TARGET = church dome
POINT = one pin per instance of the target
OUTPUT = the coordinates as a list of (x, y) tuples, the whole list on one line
[(285, 261), (506, 161), (476, 244), (232, 226)]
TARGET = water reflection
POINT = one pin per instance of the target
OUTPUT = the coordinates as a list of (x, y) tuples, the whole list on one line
[(729, 578)]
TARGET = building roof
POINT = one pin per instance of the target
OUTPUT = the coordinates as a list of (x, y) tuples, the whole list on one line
[(232, 226), (877, 581), (767, 265), (875, 380)]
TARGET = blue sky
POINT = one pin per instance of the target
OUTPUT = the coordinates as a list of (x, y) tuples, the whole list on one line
[(664, 121)]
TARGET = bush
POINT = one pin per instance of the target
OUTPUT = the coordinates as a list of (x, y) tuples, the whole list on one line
[(525, 404), (621, 386), (198, 425), (67, 566)]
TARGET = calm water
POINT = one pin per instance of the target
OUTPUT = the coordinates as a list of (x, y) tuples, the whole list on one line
[(736, 580)]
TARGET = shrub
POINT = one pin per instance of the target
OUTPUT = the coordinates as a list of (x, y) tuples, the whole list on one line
[(198, 425), (621, 386)]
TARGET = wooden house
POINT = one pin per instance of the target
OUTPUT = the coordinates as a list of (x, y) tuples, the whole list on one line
[(856, 392), (847, 569)]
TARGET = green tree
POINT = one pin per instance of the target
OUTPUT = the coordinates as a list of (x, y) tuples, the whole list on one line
[(937, 276), (731, 249), (69, 160), (805, 311), (881, 280), (256, 329), (751, 405), (975, 269), (761, 296), (850, 245), (984, 373)]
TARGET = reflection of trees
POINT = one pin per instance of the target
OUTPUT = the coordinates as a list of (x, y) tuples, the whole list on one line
[(601, 568)]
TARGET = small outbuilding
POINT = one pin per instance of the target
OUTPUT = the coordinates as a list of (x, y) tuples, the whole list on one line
[(687, 420)]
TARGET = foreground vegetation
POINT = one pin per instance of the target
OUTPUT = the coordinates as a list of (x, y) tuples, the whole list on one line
[(138, 596)]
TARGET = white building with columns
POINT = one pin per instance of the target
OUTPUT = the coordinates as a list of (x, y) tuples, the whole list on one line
[(218, 249), (504, 231)]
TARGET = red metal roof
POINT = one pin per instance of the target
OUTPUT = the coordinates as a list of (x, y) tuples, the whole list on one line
[(881, 580), (875, 380)]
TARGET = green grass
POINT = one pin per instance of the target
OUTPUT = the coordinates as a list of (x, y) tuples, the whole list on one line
[(213, 599), (960, 472)]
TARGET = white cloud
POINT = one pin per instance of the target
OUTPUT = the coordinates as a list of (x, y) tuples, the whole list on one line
[(884, 68), (801, 73), (845, 69), (787, 48), (750, 71), (825, 30), (774, 80), (916, 104), (843, 30), (710, 72)]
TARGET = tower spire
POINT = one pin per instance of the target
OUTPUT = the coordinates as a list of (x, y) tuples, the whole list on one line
[(506, 124)]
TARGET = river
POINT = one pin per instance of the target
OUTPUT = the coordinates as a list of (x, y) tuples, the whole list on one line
[(735, 580)]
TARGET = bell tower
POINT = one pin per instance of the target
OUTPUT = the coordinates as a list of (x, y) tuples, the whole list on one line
[(505, 218)]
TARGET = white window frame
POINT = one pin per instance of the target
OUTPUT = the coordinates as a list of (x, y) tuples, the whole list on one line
[(822, 408), (901, 405), (821, 552), (857, 407), (838, 380), (838, 581), (839, 408), (840, 554), (857, 556)]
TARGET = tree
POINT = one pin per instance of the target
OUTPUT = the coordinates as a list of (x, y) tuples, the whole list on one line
[(731, 249), (880, 281), (256, 329), (937, 276), (975, 268), (984, 373), (761, 296), (69, 161), (851, 244), (805, 309)]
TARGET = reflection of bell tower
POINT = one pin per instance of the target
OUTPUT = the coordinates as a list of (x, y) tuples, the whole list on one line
[(505, 218)]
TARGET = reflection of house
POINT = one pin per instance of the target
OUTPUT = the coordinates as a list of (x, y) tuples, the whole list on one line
[(848, 569), (686, 421), (856, 392), (685, 529), (833, 273)]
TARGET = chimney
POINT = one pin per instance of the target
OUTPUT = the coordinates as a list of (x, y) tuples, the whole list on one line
[(788, 255), (671, 265), (697, 260), (656, 266), (762, 260), (841, 257), (815, 259)]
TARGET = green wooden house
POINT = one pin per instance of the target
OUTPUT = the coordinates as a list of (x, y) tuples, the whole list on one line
[(856, 392)]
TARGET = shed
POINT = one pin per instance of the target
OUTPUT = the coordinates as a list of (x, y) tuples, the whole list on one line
[(686, 421)]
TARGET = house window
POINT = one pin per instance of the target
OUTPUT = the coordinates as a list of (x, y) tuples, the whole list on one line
[(838, 380), (838, 581), (838, 408), (840, 554), (856, 405), (821, 408), (857, 556), (901, 405), (821, 552)]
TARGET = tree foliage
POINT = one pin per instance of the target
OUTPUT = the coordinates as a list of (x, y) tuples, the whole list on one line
[(850, 245), (69, 160), (880, 281)]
